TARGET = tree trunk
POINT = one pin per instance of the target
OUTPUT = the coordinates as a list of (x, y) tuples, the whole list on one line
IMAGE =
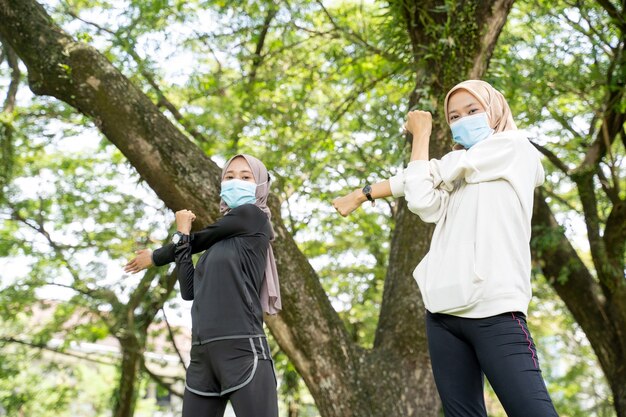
[(126, 395), (596, 300), (595, 313), (393, 378)]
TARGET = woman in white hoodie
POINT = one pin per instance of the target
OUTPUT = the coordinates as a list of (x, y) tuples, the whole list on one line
[(475, 280)]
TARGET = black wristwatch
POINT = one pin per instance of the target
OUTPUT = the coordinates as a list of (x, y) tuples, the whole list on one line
[(179, 238), (367, 190)]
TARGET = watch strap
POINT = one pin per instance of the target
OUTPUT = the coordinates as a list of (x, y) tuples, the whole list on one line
[(180, 238), (367, 190)]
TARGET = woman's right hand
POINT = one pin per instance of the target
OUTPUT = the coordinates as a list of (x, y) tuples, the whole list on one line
[(184, 218), (142, 261), (419, 123), (348, 203)]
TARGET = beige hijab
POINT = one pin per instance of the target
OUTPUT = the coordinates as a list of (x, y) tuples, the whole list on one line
[(498, 111), (270, 288)]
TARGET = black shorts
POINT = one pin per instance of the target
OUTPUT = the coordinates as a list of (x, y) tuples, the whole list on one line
[(222, 366)]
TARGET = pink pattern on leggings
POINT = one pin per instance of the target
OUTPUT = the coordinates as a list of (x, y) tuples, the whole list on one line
[(532, 352)]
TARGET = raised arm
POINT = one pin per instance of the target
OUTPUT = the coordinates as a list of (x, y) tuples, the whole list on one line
[(241, 220)]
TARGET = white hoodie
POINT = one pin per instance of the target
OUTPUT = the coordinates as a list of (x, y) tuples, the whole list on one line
[(481, 200)]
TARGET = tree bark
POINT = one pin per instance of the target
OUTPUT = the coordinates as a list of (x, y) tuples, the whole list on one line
[(393, 378), (411, 237)]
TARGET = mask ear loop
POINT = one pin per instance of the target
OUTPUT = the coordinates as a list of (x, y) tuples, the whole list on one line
[(263, 183)]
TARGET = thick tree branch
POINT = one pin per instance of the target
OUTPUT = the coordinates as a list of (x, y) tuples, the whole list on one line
[(611, 191), (615, 241), (491, 28), (12, 61), (587, 193), (552, 158), (608, 267), (565, 122), (182, 176), (612, 126), (162, 99), (257, 58), (572, 281)]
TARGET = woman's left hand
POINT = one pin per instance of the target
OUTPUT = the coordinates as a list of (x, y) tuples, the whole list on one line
[(140, 262)]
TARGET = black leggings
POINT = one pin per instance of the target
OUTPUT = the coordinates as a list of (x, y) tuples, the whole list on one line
[(501, 348), (256, 399)]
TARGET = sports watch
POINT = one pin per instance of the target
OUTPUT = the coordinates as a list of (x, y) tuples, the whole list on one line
[(180, 238)]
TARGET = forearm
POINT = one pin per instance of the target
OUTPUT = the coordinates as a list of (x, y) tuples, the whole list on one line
[(419, 150), (185, 271), (352, 201), (163, 255), (379, 190), (422, 197)]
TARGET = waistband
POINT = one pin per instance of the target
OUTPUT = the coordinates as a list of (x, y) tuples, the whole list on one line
[(214, 339)]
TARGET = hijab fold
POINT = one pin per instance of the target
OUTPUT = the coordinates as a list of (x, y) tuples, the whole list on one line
[(270, 288)]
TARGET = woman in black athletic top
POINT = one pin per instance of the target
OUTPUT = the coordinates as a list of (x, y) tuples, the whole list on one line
[(232, 284)]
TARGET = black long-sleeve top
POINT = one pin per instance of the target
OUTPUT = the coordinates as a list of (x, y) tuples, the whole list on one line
[(226, 281)]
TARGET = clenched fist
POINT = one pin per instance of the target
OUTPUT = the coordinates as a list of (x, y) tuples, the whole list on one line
[(419, 123), (184, 218)]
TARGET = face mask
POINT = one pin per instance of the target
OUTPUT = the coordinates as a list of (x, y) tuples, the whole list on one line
[(470, 130), (236, 193)]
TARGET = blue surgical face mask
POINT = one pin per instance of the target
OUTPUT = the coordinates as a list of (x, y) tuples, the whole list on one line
[(470, 130), (236, 192)]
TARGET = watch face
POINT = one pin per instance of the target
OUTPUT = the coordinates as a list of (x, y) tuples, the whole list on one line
[(176, 238), (367, 189)]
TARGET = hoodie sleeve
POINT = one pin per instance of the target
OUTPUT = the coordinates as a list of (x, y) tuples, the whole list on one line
[(426, 185)]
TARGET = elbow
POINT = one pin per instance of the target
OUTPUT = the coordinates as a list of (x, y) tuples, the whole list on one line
[(418, 207), (430, 219), (425, 212), (415, 206)]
